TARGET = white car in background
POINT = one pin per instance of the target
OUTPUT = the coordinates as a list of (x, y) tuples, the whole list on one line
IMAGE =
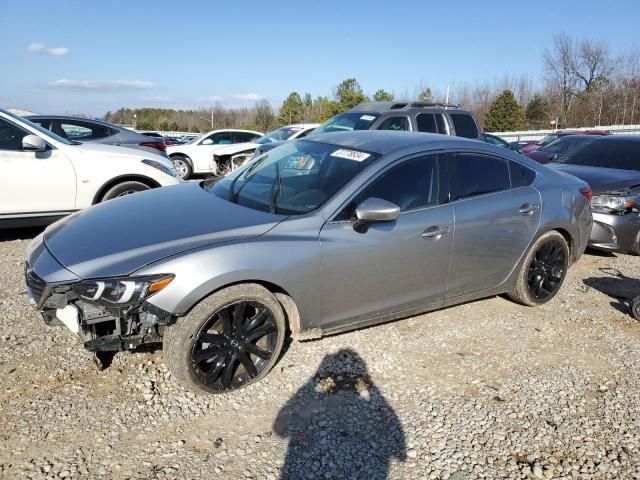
[(277, 137), (44, 177), (197, 156)]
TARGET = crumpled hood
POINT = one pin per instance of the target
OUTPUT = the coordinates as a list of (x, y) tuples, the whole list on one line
[(122, 235), (600, 179)]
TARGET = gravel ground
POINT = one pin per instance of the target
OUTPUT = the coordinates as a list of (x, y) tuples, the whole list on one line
[(488, 389)]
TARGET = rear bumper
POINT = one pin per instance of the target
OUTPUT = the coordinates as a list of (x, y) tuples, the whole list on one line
[(615, 233)]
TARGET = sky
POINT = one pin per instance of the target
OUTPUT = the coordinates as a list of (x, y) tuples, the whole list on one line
[(90, 57)]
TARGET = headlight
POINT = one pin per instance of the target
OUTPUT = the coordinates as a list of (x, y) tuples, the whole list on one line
[(612, 203), (121, 292), (162, 167)]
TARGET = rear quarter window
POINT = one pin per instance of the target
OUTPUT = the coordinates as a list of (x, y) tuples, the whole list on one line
[(465, 125), (521, 176)]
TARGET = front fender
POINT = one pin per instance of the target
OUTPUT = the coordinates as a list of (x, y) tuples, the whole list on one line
[(292, 265)]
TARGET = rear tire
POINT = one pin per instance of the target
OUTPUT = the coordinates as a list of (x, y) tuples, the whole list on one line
[(122, 189), (183, 166), (543, 270), (635, 308), (231, 339)]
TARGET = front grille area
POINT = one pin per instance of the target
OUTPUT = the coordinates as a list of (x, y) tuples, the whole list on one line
[(35, 285)]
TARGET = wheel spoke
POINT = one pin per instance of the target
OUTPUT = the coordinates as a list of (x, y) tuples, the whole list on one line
[(226, 320), (257, 320), (206, 353), (214, 373), (213, 338), (248, 365), (238, 316), (227, 374), (257, 351), (260, 332)]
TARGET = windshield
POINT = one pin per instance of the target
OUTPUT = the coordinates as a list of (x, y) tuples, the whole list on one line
[(293, 179), (583, 154), (278, 135), (193, 140), (548, 139), (563, 144), (346, 122), (41, 129)]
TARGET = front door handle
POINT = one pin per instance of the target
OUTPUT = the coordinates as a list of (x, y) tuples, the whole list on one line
[(435, 232), (528, 209)]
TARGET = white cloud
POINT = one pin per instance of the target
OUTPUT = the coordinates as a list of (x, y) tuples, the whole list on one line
[(36, 47), (102, 85), (249, 97)]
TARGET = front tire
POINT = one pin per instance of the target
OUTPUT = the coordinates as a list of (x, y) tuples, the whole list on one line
[(231, 339), (183, 166), (122, 189), (543, 271)]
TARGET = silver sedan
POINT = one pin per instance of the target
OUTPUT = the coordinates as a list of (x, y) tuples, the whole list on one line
[(318, 236)]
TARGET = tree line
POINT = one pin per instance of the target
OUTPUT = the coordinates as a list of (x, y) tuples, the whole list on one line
[(583, 84)]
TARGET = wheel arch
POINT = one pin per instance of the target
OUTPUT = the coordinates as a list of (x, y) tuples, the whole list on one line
[(286, 300), (150, 182)]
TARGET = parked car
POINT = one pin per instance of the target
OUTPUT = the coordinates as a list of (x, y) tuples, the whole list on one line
[(321, 235), (559, 146), (447, 119), (45, 176), (495, 140), (532, 146), (89, 130), (274, 139), (197, 156), (611, 166), (518, 144)]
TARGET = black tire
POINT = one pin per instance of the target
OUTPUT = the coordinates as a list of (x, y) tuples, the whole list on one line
[(124, 188), (635, 308), (183, 165), (206, 356), (543, 271)]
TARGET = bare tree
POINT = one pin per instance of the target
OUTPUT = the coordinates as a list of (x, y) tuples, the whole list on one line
[(560, 71), (264, 116)]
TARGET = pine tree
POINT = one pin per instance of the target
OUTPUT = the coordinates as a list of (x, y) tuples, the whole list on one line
[(382, 96), (292, 110), (505, 114), (537, 112)]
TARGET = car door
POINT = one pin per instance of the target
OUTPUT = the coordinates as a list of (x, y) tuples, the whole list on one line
[(33, 182), (496, 218), (395, 266)]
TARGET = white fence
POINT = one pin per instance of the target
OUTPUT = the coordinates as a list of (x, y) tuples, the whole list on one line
[(539, 134)]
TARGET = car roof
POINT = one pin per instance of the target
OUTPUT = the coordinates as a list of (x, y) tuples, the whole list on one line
[(384, 107), (230, 130), (385, 141), (68, 117), (615, 138)]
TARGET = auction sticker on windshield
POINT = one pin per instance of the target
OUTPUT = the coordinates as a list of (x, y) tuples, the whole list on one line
[(351, 155), (367, 118)]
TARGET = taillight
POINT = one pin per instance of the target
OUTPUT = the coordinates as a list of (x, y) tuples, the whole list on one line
[(158, 145), (586, 193)]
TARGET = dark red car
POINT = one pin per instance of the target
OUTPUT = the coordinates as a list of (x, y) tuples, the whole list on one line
[(533, 146), (559, 146)]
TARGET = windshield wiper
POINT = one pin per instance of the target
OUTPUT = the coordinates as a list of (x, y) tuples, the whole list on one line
[(275, 191)]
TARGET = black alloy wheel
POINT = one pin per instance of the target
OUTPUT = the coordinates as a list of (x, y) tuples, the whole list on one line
[(234, 345), (547, 269)]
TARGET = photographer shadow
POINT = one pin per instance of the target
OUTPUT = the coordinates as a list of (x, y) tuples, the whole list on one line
[(339, 425), (616, 285)]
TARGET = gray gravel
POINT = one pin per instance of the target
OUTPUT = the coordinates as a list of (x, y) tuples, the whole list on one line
[(488, 389)]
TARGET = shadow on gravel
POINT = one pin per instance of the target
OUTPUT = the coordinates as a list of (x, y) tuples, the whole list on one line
[(19, 233), (339, 425), (617, 286)]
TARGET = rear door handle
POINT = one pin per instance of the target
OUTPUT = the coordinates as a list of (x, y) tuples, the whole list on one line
[(528, 209), (435, 232)]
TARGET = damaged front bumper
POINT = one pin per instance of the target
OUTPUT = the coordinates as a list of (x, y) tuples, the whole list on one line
[(100, 327)]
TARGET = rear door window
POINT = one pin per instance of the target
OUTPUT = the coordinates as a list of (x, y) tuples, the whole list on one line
[(427, 123), (624, 155), (472, 174), (395, 123), (242, 137), (465, 125), (82, 131)]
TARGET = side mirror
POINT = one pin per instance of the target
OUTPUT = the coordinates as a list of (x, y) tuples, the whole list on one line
[(33, 143), (375, 210), (208, 141)]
